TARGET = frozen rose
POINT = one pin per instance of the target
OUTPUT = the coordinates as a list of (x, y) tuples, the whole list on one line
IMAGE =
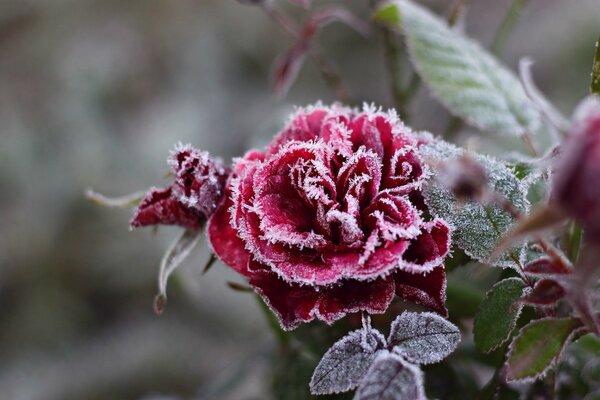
[(191, 198), (575, 189), (328, 220)]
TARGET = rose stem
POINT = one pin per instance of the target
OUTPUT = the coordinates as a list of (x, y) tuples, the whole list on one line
[(326, 68)]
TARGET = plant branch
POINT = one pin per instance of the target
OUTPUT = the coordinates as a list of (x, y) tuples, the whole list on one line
[(506, 26), (327, 69)]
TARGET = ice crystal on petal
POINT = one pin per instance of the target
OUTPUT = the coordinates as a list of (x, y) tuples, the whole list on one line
[(391, 378), (346, 362), (423, 338)]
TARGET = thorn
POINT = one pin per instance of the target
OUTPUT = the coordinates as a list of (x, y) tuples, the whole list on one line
[(238, 287), (160, 303), (209, 263)]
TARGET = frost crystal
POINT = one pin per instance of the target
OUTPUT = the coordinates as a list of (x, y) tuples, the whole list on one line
[(386, 370), (391, 378), (423, 338), (346, 362)]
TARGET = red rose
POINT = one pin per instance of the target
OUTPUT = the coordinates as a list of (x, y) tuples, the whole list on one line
[(328, 220), (575, 189), (191, 198)]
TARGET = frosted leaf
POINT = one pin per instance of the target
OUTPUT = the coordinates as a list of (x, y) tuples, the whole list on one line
[(346, 362), (423, 338), (178, 252), (391, 378), (466, 78), (130, 200), (477, 228)]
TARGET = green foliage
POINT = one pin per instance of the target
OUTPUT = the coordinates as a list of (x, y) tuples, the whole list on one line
[(498, 314), (466, 78), (477, 227), (538, 346), (595, 84)]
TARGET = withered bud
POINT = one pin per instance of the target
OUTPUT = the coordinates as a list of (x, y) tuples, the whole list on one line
[(465, 178)]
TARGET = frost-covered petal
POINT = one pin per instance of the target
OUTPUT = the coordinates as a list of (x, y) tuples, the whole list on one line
[(427, 289), (160, 207), (429, 249), (294, 303)]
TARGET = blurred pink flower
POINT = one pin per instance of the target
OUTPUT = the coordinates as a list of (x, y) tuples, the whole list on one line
[(575, 189)]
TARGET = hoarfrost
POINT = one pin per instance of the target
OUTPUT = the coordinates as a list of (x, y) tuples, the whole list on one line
[(423, 338), (346, 362), (391, 378), (478, 227)]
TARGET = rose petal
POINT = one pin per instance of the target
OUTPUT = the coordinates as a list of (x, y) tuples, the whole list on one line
[(160, 207), (224, 240), (427, 289), (429, 249), (294, 304)]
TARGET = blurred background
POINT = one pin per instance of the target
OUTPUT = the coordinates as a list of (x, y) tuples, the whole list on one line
[(94, 93)]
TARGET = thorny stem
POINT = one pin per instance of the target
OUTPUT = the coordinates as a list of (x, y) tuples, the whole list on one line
[(328, 71), (393, 59)]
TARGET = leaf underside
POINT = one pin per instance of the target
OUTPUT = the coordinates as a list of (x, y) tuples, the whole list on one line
[(466, 78), (391, 378), (423, 338)]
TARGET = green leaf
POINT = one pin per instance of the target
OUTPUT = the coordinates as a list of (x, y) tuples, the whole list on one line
[(497, 314), (477, 227), (538, 346), (595, 84), (467, 79)]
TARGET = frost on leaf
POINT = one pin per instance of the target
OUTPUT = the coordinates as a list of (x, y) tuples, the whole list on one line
[(391, 378), (423, 338), (477, 227), (178, 251), (346, 362), (467, 79)]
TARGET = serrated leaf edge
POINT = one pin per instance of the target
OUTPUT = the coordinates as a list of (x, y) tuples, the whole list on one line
[(517, 304), (344, 339), (398, 350), (552, 363)]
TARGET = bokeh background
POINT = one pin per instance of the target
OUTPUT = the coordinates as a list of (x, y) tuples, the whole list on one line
[(94, 93)]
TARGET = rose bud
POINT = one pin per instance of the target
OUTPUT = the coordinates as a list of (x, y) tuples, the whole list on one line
[(576, 189), (322, 222), (191, 198)]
